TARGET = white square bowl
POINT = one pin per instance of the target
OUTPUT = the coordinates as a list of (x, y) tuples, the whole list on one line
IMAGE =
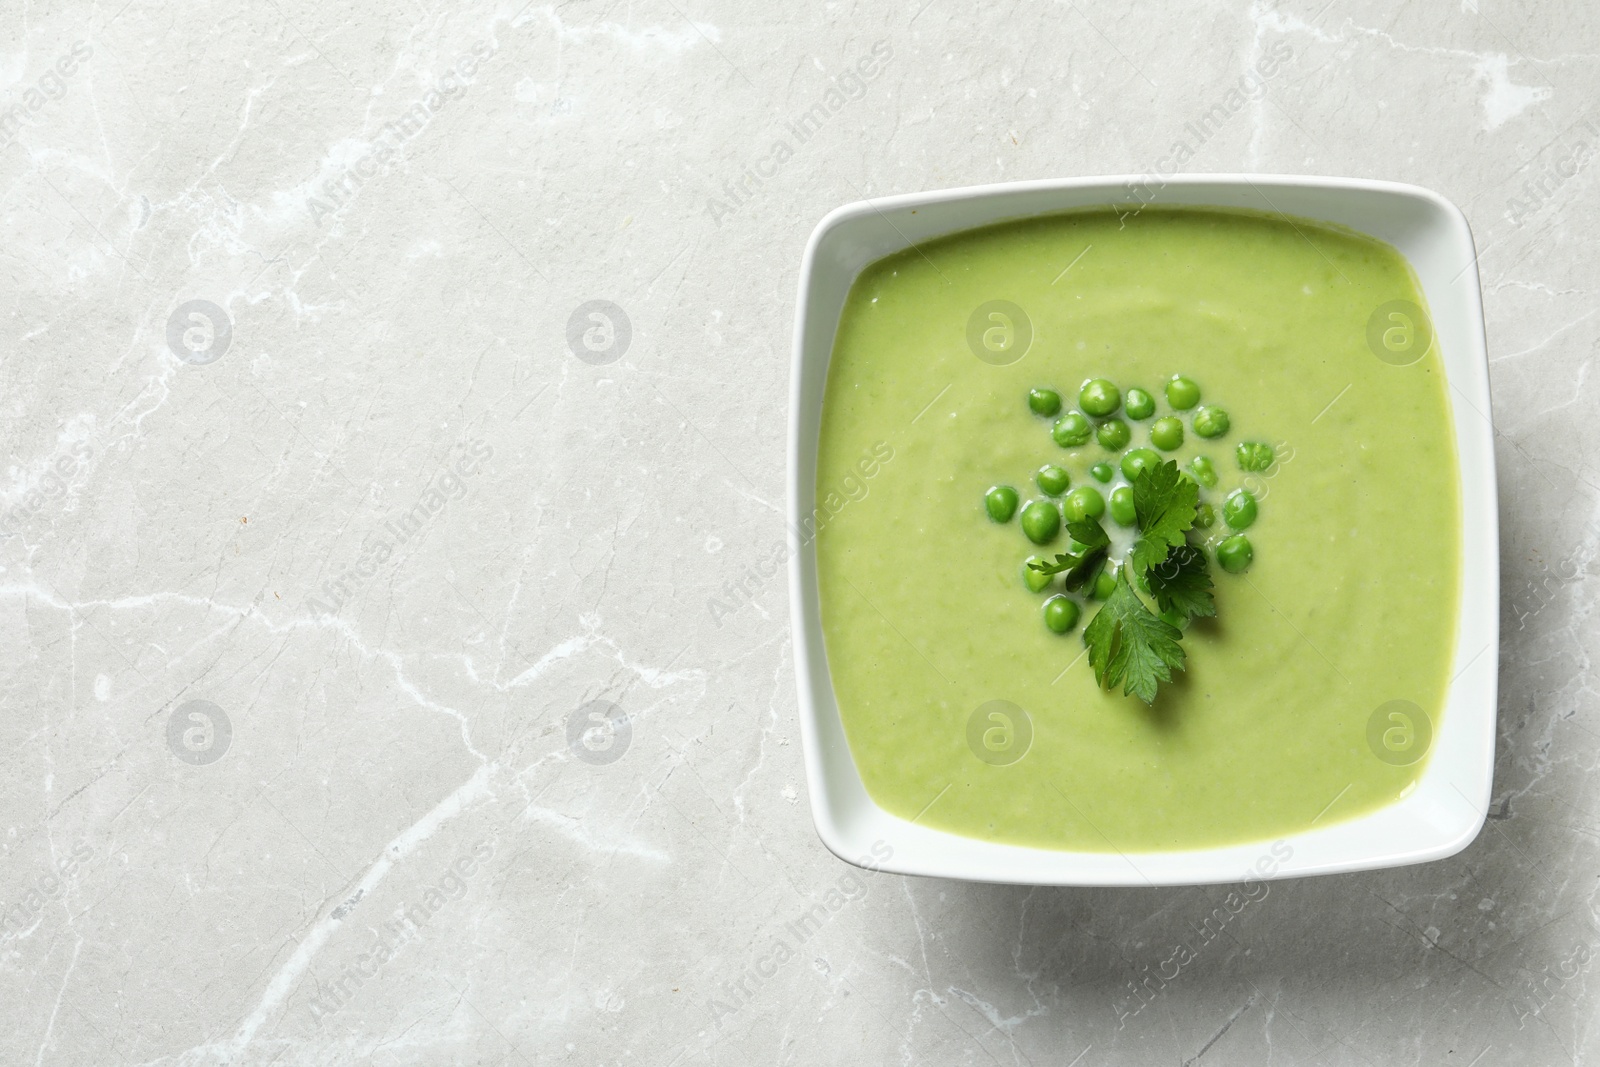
[(1446, 808)]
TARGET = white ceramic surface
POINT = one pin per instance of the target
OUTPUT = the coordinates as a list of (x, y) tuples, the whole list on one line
[(1445, 810)]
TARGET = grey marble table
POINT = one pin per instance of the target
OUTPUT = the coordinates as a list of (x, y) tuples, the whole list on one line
[(395, 398)]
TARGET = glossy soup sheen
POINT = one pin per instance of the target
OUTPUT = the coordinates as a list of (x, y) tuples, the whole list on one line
[(1350, 603)]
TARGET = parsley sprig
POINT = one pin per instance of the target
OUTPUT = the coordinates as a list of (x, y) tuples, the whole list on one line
[(1129, 644)]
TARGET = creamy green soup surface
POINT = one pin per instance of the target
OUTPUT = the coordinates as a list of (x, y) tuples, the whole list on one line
[(1350, 602)]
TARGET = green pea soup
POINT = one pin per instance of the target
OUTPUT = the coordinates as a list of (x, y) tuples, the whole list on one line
[(1350, 602)]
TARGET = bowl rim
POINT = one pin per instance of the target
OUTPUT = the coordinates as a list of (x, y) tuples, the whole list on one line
[(869, 840)]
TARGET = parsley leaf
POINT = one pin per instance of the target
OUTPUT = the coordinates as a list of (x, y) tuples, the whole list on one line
[(1182, 582), (1092, 536), (1130, 644), (1164, 504), (1087, 570), (1089, 535)]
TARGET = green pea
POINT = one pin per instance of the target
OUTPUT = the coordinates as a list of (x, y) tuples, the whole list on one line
[(1036, 582), (1001, 503), (1204, 472), (1239, 510), (1060, 613), (1167, 434), (1205, 516), (1044, 401), (1122, 506), (1099, 397), (1139, 404), (1210, 422), (1071, 430), (1235, 554), (1105, 585), (1102, 471), (1041, 522), (1084, 502), (1137, 460), (1113, 435), (1254, 455), (1182, 393), (1053, 479)]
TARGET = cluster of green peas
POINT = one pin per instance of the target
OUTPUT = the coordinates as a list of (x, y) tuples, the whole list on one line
[(1042, 519)]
